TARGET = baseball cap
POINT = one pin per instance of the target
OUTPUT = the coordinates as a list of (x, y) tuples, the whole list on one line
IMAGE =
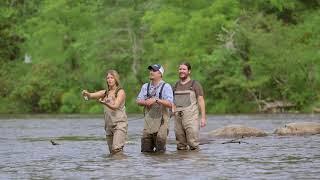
[(156, 67)]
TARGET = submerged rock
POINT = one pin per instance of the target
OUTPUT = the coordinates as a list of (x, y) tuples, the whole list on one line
[(300, 128), (237, 131)]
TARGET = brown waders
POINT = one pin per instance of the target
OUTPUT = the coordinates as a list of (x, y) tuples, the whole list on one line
[(156, 126), (155, 131), (116, 127), (187, 122)]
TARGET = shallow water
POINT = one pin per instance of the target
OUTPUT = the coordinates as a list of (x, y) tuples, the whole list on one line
[(26, 151)]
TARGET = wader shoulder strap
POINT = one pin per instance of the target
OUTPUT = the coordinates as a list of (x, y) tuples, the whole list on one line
[(160, 97), (148, 94), (191, 87), (175, 87), (117, 90), (115, 93), (160, 93), (105, 93)]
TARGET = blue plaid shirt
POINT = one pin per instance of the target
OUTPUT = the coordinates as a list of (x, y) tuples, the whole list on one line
[(167, 92)]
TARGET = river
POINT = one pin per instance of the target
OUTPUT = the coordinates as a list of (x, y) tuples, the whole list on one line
[(26, 151)]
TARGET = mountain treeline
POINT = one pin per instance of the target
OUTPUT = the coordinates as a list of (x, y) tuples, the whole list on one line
[(245, 53)]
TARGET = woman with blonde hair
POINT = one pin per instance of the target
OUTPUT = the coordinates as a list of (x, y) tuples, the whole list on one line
[(113, 99)]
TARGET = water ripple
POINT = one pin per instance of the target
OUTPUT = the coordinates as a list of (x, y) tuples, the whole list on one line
[(26, 152)]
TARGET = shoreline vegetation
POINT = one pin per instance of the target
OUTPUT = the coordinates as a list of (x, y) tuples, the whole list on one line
[(250, 56)]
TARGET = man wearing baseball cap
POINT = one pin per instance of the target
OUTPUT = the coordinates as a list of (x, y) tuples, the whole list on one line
[(156, 67), (157, 98)]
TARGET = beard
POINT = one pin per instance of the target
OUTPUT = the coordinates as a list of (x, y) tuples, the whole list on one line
[(185, 76)]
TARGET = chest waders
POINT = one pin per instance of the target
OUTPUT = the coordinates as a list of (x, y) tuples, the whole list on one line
[(187, 122), (155, 129), (116, 125)]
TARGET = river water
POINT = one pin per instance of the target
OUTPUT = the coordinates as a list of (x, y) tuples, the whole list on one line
[(26, 151)]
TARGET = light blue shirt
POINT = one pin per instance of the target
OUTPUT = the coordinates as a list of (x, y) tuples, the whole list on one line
[(167, 92)]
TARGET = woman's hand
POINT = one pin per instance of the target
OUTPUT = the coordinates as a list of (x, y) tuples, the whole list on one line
[(105, 102), (85, 94)]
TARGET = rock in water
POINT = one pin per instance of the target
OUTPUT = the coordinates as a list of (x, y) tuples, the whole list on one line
[(299, 129), (237, 131)]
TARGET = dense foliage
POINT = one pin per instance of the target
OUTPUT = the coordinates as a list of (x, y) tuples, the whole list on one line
[(243, 52)]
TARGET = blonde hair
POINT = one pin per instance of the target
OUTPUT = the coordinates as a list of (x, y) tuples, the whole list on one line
[(115, 75)]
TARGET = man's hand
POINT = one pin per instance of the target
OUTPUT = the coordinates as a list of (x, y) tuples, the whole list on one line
[(173, 108), (150, 102), (203, 122)]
